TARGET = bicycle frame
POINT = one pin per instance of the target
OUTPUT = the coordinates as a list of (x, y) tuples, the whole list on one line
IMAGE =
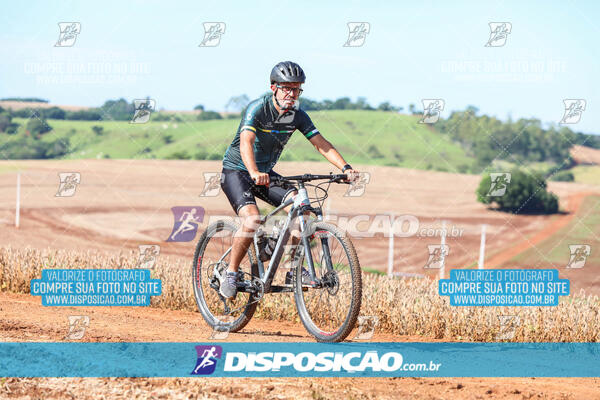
[(301, 204)]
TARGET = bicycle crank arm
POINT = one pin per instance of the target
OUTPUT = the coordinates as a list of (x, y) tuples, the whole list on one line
[(285, 289)]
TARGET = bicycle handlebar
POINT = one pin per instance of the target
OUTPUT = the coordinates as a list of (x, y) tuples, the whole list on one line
[(309, 177)]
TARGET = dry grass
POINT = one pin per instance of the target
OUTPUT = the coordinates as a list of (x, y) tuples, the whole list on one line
[(404, 306)]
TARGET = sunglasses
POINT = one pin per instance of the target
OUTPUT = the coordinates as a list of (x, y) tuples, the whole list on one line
[(289, 89)]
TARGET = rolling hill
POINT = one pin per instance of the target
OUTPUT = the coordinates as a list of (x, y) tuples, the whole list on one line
[(367, 137)]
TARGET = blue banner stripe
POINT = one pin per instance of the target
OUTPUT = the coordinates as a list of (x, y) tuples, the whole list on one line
[(300, 359)]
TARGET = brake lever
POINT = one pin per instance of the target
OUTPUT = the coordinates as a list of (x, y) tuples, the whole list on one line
[(343, 180)]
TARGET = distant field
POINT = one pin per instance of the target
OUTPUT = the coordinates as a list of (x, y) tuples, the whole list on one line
[(589, 174), (8, 168), (585, 155), (18, 105), (367, 137), (554, 251)]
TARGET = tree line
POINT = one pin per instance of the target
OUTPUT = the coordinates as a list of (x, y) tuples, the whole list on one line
[(522, 141)]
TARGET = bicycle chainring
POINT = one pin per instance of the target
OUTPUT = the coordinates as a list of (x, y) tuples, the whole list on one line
[(259, 291)]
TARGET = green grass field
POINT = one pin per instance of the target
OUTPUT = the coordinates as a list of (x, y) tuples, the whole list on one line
[(363, 137), (583, 229), (8, 168), (589, 174)]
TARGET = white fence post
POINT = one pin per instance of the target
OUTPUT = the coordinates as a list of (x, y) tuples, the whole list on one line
[(18, 208), (391, 246), (443, 253), (481, 248)]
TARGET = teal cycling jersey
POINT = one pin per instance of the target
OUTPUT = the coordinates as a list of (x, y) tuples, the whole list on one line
[(272, 133)]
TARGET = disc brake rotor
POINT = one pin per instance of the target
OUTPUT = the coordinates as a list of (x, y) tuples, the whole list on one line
[(331, 282)]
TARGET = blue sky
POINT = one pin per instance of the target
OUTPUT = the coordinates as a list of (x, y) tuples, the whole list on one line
[(414, 51)]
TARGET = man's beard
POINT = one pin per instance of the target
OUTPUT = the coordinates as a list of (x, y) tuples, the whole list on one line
[(290, 105)]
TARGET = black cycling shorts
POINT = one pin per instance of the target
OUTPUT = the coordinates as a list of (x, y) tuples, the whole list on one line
[(240, 189)]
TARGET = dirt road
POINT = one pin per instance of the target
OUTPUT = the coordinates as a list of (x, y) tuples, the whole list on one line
[(124, 203), (23, 318)]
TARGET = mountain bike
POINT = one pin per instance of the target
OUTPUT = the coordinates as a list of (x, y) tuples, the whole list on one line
[(328, 302)]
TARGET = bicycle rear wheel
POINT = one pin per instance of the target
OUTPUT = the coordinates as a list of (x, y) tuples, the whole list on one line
[(329, 313), (214, 242)]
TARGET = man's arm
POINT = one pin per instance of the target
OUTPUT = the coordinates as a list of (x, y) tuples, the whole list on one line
[(247, 138), (328, 151)]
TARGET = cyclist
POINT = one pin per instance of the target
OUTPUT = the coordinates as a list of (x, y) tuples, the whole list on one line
[(265, 128)]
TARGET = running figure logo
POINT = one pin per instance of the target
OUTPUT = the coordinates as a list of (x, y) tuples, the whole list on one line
[(499, 183), (68, 183), (77, 326), (357, 188), (579, 254), (499, 32), (293, 255), (212, 34), (366, 327), (148, 255), (186, 223), (68, 34), (573, 110), (221, 330), (207, 359), (142, 110), (432, 109), (508, 326), (212, 184), (437, 254), (357, 33)]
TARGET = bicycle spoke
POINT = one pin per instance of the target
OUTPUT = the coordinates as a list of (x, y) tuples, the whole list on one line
[(329, 307), (217, 244)]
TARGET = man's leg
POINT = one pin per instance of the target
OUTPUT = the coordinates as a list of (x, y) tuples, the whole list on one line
[(242, 239), (239, 189)]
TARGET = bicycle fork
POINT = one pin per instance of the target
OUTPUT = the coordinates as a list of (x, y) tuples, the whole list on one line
[(303, 203)]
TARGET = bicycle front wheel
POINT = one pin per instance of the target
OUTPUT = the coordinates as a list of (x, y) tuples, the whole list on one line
[(330, 311), (221, 314)]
